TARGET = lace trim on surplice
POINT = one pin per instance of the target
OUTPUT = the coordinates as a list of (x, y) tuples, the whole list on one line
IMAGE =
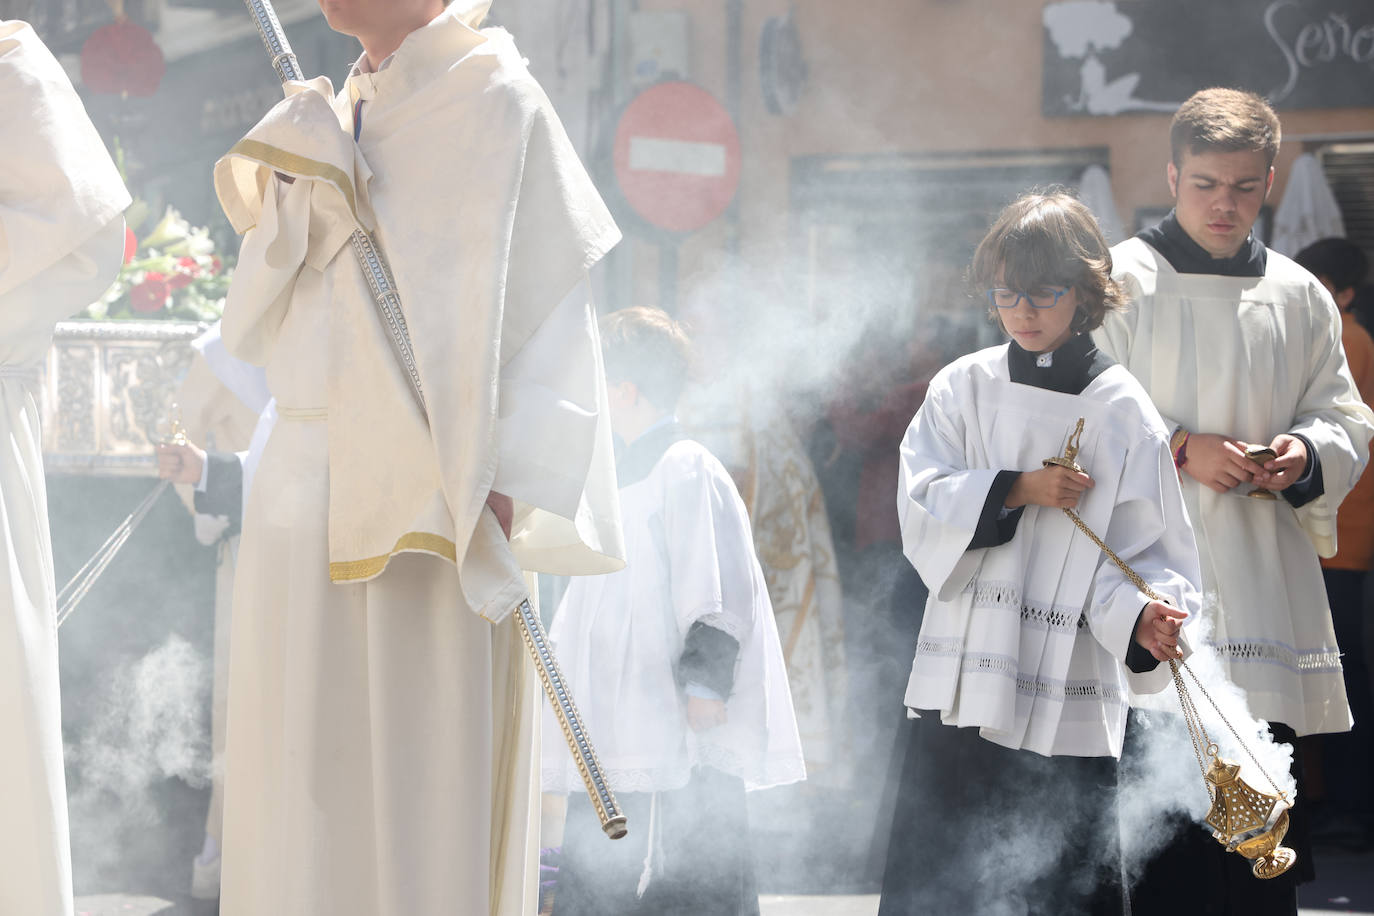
[(1059, 619), (1299, 661), (1008, 595)]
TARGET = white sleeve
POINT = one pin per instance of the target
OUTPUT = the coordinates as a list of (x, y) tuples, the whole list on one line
[(80, 278), (548, 405), (1150, 531), (710, 549), (271, 257), (1331, 415), (940, 499), (554, 451)]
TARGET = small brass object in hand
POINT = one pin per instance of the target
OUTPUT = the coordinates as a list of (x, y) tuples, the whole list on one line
[(1071, 448), (1260, 454)]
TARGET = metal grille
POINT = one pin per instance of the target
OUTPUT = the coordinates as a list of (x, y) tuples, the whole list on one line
[(1349, 169)]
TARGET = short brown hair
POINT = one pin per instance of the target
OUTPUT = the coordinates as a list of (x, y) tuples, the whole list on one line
[(1224, 121), (1048, 238), (647, 347)]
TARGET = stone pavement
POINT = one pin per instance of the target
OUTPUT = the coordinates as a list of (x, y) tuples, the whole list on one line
[(1345, 885)]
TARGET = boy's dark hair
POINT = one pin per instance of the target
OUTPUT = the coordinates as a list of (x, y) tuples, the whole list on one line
[(1224, 121), (1048, 238), (647, 347), (1339, 260)]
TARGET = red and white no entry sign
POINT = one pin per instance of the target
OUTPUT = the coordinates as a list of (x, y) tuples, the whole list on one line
[(677, 157)]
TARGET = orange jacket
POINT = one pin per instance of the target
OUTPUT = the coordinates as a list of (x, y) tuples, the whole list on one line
[(1355, 518)]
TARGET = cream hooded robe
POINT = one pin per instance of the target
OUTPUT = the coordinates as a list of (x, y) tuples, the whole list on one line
[(61, 241), (382, 735)]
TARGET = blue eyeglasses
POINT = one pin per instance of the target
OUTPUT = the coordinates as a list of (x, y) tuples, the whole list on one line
[(1043, 298)]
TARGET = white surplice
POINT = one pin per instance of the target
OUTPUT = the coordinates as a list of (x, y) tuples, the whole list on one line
[(1026, 640), (1253, 357), (61, 241), (382, 740), (756, 442), (619, 637)]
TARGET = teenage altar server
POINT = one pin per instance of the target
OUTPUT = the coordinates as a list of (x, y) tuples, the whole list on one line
[(678, 658), (1239, 347)]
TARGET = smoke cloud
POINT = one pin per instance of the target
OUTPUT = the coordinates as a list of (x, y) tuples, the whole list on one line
[(150, 727)]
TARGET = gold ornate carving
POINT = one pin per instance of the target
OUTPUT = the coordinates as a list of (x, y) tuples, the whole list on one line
[(108, 386)]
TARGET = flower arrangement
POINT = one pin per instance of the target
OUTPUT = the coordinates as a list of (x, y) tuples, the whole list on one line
[(171, 273)]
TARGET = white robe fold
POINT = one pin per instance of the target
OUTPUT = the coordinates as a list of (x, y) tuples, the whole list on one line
[(619, 638), (1253, 357), (382, 740), (752, 437), (1026, 640), (61, 242)]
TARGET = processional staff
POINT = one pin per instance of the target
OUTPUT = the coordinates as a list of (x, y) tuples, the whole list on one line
[(377, 269)]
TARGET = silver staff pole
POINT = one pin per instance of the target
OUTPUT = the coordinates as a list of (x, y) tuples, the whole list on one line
[(378, 272)]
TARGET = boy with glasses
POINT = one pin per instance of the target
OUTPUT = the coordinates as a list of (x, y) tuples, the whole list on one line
[(1029, 631)]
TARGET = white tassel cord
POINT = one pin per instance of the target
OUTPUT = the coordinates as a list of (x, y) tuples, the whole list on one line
[(81, 583), (654, 851)]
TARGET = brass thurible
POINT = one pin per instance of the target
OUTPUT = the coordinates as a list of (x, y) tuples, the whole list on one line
[(1242, 819)]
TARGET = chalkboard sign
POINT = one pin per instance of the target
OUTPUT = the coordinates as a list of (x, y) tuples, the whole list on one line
[(1110, 58)]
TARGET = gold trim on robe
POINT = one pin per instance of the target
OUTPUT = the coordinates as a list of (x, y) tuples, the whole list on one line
[(410, 542)]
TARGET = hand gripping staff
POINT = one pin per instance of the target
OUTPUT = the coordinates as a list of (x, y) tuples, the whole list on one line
[(378, 272)]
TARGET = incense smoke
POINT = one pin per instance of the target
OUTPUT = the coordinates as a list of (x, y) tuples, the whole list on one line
[(1166, 780), (150, 727)]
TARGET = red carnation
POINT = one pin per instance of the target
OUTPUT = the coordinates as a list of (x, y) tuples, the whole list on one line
[(150, 295), (187, 270), (122, 58), (130, 244), (216, 265)]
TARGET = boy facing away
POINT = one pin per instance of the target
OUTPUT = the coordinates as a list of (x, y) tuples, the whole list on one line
[(675, 661)]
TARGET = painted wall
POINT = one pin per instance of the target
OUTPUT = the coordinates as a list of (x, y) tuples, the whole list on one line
[(916, 76)]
